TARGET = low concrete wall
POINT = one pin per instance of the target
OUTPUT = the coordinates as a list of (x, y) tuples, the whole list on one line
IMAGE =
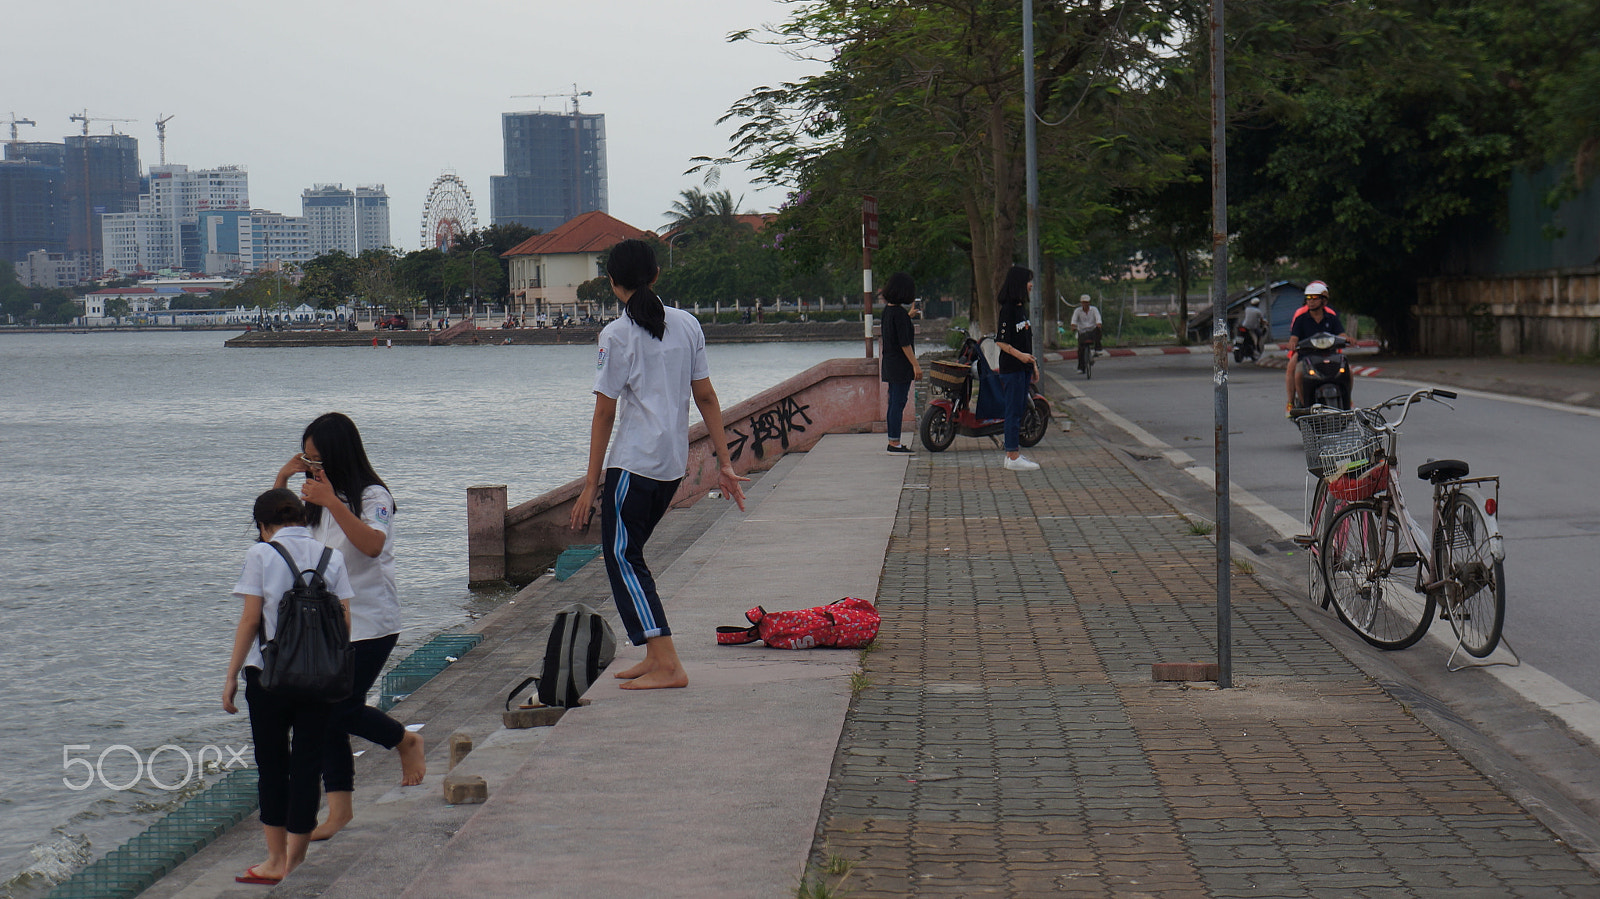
[(1553, 313), (833, 397)]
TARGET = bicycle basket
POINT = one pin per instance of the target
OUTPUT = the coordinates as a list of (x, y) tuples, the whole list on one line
[(1340, 443)]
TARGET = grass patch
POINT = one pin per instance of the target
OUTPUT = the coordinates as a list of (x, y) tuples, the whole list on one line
[(836, 866), (858, 683), (1244, 566), (1199, 527)]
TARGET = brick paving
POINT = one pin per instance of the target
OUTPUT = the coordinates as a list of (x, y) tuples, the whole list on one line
[(1012, 743)]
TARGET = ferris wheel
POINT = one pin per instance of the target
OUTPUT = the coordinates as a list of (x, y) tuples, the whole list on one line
[(448, 212)]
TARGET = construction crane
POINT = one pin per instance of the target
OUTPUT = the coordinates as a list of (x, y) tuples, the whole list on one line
[(85, 118), (574, 95), (15, 122), (161, 134)]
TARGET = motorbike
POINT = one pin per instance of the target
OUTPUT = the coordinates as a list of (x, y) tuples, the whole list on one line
[(1327, 378), (968, 401), (1245, 345)]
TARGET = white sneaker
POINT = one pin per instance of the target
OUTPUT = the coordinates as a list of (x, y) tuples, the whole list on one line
[(1021, 463)]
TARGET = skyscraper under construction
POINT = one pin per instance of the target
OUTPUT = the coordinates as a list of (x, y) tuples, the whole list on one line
[(555, 166)]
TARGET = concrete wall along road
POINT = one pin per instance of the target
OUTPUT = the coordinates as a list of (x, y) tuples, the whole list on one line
[(840, 396)]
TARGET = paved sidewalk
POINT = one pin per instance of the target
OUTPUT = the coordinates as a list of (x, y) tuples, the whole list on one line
[(1012, 742)]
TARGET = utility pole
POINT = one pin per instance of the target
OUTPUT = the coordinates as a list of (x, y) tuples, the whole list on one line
[(1031, 138), (1219, 342)]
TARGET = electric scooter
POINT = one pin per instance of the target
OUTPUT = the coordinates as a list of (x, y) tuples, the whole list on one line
[(968, 402), (1326, 378)]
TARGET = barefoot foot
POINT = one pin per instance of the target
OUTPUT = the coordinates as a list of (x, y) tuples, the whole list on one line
[(660, 679), (644, 667), (413, 767)]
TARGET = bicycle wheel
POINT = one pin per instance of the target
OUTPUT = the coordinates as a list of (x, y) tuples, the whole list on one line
[(1475, 599), (1374, 595)]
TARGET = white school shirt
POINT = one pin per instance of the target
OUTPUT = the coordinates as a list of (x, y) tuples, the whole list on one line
[(265, 575), (375, 612), (650, 380)]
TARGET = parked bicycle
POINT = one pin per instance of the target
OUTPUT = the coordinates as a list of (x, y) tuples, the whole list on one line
[(1385, 576)]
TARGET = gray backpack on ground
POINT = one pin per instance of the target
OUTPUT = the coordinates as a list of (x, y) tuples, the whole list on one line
[(578, 650)]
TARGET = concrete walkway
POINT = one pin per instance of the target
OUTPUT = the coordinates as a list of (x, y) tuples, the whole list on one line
[(1008, 739)]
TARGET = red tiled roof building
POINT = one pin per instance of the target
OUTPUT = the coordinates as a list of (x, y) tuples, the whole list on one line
[(546, 269)]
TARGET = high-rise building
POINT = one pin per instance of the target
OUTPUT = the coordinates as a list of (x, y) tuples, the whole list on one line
[(101, 173), (31, 217), (267, 237), (164, 232), (352, 221), (555, 169)]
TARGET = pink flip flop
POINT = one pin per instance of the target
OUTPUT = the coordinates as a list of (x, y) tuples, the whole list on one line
[(250, 876)]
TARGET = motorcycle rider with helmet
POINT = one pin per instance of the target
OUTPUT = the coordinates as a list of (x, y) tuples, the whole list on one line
[(1315, 317), (1256, 323)]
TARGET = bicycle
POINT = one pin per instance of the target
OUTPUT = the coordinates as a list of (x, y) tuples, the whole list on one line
[(1385, 576), (1086, 352)]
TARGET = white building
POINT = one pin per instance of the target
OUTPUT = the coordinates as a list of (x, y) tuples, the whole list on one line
[(352, 221), (162, 233), (45, 269)]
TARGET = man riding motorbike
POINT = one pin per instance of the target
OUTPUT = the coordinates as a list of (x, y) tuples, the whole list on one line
[(1315, 317)]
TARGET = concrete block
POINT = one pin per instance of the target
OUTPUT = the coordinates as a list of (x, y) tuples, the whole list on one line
[(543, 716), (460, 745), (465, 789), (1185, 671)]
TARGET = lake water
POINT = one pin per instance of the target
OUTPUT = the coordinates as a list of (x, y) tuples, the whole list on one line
[(130, 463)]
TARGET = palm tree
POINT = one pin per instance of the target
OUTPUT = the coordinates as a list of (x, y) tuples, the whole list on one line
[(696, 207)]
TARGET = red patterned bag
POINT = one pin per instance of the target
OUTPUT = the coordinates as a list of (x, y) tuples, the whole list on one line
[(849, 623)]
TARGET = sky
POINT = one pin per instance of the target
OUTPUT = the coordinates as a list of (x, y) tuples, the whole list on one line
[(397, 93)]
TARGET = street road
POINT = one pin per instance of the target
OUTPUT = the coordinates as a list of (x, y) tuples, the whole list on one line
[(1544, 454)]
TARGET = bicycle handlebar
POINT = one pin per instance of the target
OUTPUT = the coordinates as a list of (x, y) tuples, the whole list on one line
[(1406, 400)]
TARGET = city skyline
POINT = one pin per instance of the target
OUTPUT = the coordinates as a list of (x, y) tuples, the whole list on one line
[(347, 97)]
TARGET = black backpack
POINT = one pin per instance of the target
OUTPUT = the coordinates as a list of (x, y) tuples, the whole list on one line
[(580, 646), (309, 656)]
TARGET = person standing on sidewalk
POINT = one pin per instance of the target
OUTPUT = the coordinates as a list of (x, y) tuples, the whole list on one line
[(899, 359), (352, 511), (651, 363), (1018, 368)]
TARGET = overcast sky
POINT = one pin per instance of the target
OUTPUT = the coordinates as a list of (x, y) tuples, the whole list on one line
[(396, 92)]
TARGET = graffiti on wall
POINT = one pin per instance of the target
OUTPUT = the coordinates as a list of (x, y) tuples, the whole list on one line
[(775, 424)]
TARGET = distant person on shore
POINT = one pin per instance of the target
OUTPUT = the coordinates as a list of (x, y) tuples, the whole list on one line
[(651, 363), (352, 511), (899, 366), (288, 735), (1017, 368)]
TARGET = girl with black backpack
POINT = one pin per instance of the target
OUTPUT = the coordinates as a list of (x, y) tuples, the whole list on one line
[(288, 733)]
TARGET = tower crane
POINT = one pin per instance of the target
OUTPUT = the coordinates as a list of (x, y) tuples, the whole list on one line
[(161, 134), (15, 122), (85, 118), (574, 95)]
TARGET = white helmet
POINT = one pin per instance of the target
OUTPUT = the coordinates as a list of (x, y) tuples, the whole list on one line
[(1317, 289), (1255, 301)]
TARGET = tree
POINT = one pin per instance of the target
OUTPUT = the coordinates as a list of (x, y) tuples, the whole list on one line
[(921, 106), (117, 308)]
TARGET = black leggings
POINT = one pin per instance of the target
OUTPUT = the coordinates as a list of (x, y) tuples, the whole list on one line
[(288, 737), (353, 716)]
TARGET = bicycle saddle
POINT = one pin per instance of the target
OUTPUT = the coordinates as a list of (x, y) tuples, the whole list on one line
[(1437, 470)]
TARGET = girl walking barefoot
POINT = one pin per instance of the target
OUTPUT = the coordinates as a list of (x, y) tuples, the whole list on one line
[(351, 510), (651, 363), (288, 734)]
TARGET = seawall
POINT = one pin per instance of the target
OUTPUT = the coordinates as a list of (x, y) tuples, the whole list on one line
[(715, 333)]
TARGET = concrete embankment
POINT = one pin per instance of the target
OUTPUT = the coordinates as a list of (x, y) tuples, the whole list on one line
[(751, 333)]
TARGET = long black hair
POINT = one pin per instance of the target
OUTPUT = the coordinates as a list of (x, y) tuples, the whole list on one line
[(1015, 288), (899, 290), (344, 460), (632, 266), (278, 506)]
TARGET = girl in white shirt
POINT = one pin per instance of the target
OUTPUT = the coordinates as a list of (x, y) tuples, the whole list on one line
[(652, 361), (351, 509), (288, 734)]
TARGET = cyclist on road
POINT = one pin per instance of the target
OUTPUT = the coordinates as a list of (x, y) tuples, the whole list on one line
[(1087, 322)]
